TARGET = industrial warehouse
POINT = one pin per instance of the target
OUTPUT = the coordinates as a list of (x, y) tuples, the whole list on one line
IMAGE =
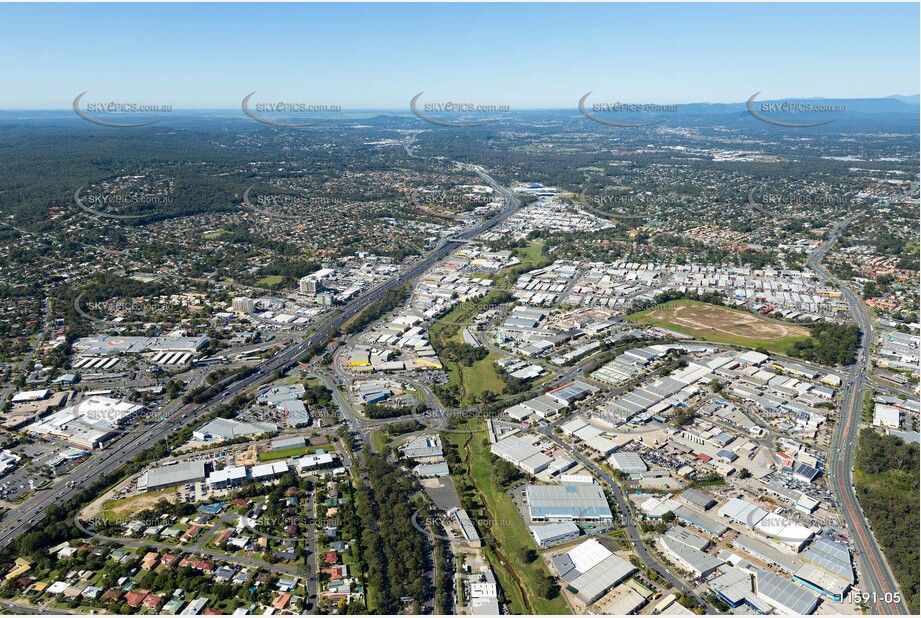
[(568, 503)]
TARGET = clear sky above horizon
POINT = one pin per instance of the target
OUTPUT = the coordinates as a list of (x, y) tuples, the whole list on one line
[(522, 55)]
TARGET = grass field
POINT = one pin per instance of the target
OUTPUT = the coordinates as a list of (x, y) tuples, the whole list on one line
[(290, 452), (723, 325), (128, 507), (379, 441), (519, 580), (270, 281), (482, 375)]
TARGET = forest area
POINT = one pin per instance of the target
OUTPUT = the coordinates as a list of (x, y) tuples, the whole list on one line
[(887, 482)]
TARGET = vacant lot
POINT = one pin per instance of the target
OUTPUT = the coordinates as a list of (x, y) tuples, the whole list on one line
[(126, 508), (722, 324)]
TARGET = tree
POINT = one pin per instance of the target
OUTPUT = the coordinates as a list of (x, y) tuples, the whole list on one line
[(526, 555), (547, 587)]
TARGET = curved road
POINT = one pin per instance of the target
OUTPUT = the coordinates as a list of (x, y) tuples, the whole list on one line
[(175, 416)]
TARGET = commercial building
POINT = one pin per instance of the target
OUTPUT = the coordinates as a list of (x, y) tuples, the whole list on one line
[(242, 305), (88, 424), (104, 345), (284, 444), (268, 471), (827, 569), (286, 398), (822, 582), (232, 476), (521, 454), (468, 530), (570, 393), (567, 503), (591, 569), (315, 461), (221, 429), (704, 522), (805, 473), (885, 415), (426, 449), (768, 553), (656, 507), (697, 499), (628, 462), (683, 551), (688, 538), (172, 475), (551, 534), (432, 470), (783, 595)]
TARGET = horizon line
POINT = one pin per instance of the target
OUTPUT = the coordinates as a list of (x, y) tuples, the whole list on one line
[(407, 109)]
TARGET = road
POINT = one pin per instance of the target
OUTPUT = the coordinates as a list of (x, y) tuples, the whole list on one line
[(176, 416), (877, 578), (629, 525), (18, 608)]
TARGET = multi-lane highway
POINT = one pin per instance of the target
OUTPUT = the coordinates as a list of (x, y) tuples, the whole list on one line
[(877, 578), (175, 416)]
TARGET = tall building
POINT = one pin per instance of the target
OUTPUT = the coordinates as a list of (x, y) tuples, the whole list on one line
[(309, 285), (243, 305)]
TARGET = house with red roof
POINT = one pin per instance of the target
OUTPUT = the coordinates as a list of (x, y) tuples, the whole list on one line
[(134, 598), (190, 534), (112, 594), (281, 601), (222, 536), (152, 601)]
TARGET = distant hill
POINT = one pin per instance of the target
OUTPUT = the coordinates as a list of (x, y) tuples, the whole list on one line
[(887, 105), (911, 99)]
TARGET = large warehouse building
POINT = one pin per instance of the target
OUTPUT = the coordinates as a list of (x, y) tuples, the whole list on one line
[(591, 569), (567, 503), (172, 475), (522, 454)]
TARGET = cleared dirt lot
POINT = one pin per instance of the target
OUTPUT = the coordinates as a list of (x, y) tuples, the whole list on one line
[(722, 324)]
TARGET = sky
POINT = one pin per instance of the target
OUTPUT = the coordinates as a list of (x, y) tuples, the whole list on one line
[(377, 56)]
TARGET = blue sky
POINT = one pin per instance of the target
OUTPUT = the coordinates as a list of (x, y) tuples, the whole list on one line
[(522, 55)]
